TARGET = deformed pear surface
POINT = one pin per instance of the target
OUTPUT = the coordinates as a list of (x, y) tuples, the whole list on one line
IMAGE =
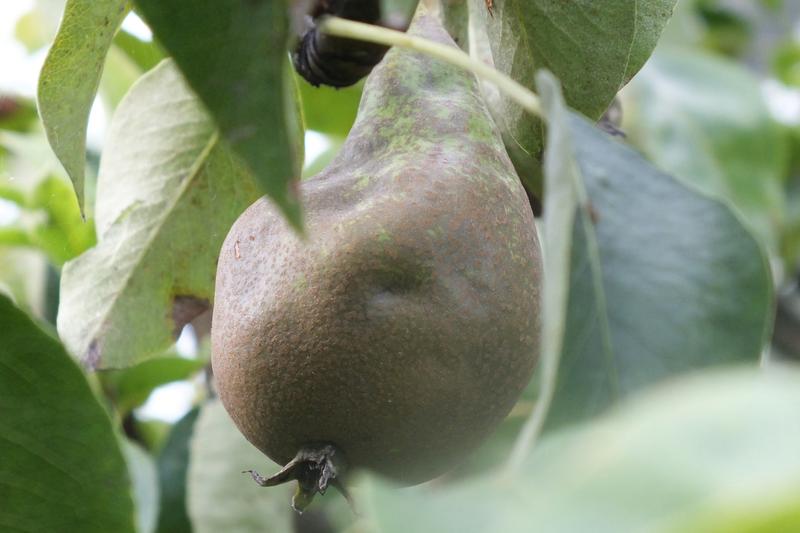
[(405, 327)]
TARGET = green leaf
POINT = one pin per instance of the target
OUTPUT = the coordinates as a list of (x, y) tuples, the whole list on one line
[(37, 27), (234, 56), (70, 76), (594, 48), (704, 120), (144, 478), (173, 464), (652, 289), (455, 17), (14, 236), (218, 455), (121, 72), (786, 63), (30, 160), (168, 192), (328, 110), (146, 54), (565, 193), (62, 468), (61, 233), (22, 277), (129, 388), (714, 452)]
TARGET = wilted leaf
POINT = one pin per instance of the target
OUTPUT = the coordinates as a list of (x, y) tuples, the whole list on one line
[(704, 120), (61, 468), (218, 455), (233, 55), (663, 279), (168, 192), (712, 452), (70, 76)]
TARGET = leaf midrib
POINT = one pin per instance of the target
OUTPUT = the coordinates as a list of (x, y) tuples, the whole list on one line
[(193, 174)]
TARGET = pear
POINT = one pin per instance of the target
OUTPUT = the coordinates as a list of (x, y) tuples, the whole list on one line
[(401, 331)]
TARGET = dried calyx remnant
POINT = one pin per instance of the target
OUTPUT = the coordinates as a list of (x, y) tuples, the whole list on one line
[(315, 468), (326, 60)]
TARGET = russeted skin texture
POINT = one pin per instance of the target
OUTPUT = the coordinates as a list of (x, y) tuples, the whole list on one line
[(405, 327)]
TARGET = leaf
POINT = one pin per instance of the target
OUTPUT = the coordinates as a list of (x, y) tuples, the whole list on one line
[(36, 28), (145, 486), (70, 76), (704, 120), (129, 388), (565, 192), (233, 55), (173, 464), (328, 110), (60, 232), (593, 48), (455, 17), (22, 277), (218, 455), (711, 452), (146, 54), (397, 13), (121, 72), (168, 191), (663, 280), (61, 468)]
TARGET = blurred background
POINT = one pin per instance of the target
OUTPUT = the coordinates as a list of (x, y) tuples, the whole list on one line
[(718, 105)]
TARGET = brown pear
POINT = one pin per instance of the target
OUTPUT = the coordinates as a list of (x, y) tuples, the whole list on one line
[(403, 328)]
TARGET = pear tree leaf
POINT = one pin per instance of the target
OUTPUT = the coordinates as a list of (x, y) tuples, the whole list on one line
[(168, 191), (60, 232), (593, 48), (704, 120), (711, 452), (455, 18), (61, 467), (663, 279), (144, 478), (146, 54), (233, 55), (130, 387), (36, 28), (23, 273), (218, 455), (328, 110), (173, 465), (398, 13), (70, 77), (120, 73)]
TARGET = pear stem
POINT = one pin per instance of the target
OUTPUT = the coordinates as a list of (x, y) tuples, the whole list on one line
[(351, 29)]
